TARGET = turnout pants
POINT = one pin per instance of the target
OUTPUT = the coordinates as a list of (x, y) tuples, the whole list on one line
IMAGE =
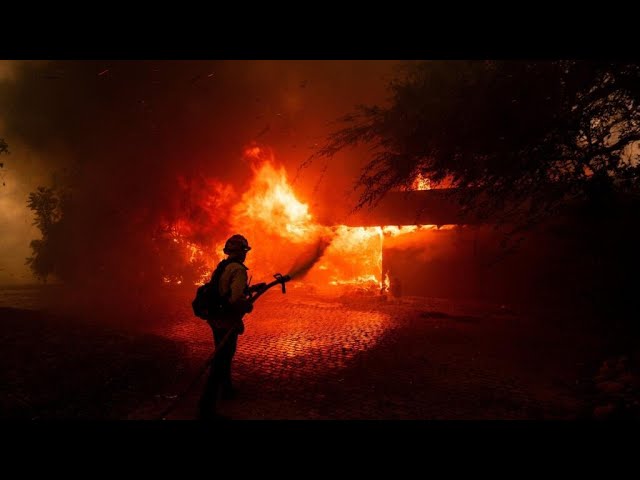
[(219, 379)]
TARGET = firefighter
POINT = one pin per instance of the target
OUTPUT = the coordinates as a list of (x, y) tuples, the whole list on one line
[(232, 286)]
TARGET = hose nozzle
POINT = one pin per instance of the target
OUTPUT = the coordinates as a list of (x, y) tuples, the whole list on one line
[(282, 279)]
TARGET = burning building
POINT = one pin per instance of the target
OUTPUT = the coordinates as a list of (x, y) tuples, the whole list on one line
[(282, 228)]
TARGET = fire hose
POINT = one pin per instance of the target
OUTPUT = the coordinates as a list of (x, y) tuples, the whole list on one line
[(253, 293)]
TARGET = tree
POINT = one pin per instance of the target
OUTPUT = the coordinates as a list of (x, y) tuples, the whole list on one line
[(519, 141), (514, 139), (47, 204)]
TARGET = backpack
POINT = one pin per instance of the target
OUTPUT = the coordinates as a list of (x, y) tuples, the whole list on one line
[(208, 304)]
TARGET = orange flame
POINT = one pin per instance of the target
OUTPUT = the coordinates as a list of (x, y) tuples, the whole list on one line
[(353, 259), (385, 284), (421, 183), (280, 227), (271, 203)]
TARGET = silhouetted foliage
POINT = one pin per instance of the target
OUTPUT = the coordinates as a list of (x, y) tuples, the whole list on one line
[(84, 255), (173, 267), (47, 205), (517, 142), (516, 138)]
